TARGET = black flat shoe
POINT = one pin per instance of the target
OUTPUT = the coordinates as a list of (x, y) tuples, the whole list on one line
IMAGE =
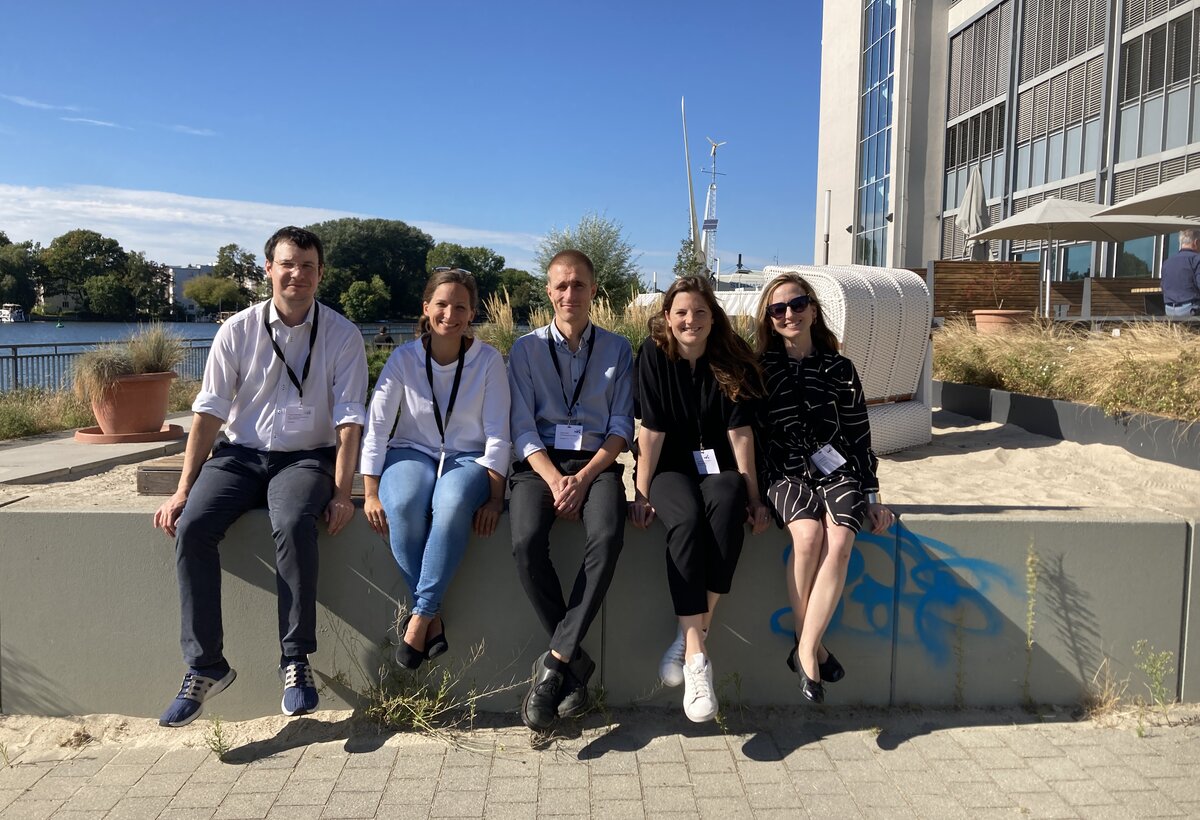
[(831, 671), (406, 654), (437, 645), (811, 689)]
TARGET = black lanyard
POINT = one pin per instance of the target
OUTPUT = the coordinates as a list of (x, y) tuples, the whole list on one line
[(558, 370), (312, 340), (697, 398), (437, 411)]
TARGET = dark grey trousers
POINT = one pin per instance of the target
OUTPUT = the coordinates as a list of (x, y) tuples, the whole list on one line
[(296, 488), (531, 515)]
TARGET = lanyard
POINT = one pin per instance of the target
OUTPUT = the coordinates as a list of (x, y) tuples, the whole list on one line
[(697, 399), (312, 340), (437, 410), (558, 370)]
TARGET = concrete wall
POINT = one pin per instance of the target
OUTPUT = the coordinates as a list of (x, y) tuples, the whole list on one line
[(933, 613)]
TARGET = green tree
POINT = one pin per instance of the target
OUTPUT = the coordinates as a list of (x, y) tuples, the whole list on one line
[(358, 249), (149, 285), (687, 261), (214, 293), (4, 240), (236, 263), (611, 254), (108, 297), (485, 263), (523, 291), (20, 270), (366, 301), (77, 256)]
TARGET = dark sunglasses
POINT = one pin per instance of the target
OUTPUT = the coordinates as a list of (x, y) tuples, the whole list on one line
[(777, 310)]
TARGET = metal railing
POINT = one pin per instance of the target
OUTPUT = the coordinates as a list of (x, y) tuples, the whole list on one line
[(49, 366)]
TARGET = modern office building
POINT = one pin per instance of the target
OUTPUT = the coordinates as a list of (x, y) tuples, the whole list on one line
[(1092, 100)]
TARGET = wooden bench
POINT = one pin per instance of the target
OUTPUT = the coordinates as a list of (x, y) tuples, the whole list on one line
[(160, 476)]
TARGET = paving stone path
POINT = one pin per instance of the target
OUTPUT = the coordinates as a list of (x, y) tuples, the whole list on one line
[(648, 764)]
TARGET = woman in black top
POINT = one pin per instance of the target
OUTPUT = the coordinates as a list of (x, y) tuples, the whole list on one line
[(696, 382), (818, 466)]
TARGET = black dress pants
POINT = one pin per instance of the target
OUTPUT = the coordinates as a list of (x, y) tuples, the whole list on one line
[(531, 515), (705, 518)]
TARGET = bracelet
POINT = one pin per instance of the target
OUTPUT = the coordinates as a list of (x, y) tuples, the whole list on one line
[(872, 498)]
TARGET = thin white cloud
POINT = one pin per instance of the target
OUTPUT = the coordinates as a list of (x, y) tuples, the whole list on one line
[(178, 229), (101, 123), (28, 103), (189, 130)]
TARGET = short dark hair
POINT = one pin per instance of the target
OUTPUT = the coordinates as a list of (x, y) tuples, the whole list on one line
[(574, 258), (300, 238), (447, 276)]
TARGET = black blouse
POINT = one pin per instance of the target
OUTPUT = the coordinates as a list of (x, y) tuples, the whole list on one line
[(810, 403), (688, 407)]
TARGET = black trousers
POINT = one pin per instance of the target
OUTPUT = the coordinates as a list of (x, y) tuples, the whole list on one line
[(531, 516), (296, 488), (705, 518)]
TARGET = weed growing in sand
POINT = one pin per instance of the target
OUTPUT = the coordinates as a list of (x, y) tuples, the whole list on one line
[(729, 694), (1031, 585), (1103, 699), (78, 739), (1156, 666), (4, 755), (1151, 367), (216, 740)]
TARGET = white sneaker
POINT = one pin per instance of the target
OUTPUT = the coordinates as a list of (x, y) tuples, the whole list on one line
[(699, 699), (670, 668)]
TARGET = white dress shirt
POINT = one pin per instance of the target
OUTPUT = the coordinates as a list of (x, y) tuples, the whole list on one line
[(247, 386), (479, 423)]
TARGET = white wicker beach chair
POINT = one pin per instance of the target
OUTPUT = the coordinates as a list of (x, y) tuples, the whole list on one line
[(881, 317)]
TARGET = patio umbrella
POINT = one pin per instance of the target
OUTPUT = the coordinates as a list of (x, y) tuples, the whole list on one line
[(1055, 220), (1179, 196), (973, 215)]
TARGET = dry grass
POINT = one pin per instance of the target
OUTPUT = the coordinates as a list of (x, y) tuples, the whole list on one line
[(33, 411), (500, 331), (1150, 367)]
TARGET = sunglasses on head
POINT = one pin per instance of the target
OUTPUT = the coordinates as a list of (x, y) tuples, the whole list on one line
[(777, 310)]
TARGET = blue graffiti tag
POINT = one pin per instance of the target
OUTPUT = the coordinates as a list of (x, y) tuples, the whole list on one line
[(935, 587)]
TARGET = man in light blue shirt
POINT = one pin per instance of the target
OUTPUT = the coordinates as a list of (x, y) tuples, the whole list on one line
[(572, 415)]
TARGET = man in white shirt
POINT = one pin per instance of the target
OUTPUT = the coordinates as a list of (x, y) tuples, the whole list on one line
[(288, 378)]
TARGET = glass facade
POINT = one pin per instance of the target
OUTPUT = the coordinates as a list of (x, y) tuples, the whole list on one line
[(875, 133)]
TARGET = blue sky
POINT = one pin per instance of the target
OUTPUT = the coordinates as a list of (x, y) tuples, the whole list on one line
[(176, 128)]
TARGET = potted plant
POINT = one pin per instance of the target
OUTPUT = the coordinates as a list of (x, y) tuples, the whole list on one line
[(129, 384), (998, 278)]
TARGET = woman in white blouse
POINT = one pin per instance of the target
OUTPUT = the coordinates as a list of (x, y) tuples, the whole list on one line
[(443, 466)]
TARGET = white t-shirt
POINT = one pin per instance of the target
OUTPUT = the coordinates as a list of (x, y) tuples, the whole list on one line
[(479, 422)]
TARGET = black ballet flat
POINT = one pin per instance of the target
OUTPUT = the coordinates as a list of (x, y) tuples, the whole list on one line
[(407, 655), (811, 689), (831, 671), (437, 645)]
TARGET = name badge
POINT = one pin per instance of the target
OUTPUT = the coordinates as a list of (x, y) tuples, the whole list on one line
[(298, 419), (568, 437), (706, 462), (441, 462), (827, 459)]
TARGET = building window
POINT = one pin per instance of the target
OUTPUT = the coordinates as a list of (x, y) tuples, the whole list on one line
[(875, 133), (1158, 80)]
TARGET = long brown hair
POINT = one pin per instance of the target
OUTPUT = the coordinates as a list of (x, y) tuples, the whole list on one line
[(448, 276), (729, 357), (765, 335)]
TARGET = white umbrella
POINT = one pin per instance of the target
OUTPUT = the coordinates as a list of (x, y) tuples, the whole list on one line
[(973, 215), (1179, 196), (1054, 220)]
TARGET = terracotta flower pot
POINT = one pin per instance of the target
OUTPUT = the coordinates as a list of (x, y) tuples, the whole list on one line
[(135, 404), (1000, 321)]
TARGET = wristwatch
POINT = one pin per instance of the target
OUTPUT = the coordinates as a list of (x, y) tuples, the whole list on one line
[(872, 498)]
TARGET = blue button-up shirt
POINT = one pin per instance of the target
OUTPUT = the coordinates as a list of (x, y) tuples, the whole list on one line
[(605, 405)]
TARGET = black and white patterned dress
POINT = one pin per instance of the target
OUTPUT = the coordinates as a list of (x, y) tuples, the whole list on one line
[(810, 403)]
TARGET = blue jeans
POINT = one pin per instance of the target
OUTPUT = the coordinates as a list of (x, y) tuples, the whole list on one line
[(429, 518)]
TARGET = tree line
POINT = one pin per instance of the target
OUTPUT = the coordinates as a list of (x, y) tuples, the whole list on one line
[(374, 269)]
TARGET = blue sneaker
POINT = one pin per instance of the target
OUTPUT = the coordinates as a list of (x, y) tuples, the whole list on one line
[(299, 689), (196, 689)]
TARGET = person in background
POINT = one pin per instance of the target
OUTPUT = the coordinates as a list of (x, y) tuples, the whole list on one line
[(287, 377), (818, 469), (697, 385), (383, 339), (441, 470), (572, 415), (1181, 277)]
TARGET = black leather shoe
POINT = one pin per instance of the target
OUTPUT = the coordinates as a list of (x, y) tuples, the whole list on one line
[(437, 645), (575, 686), (831, 671), (406, 655), (811, 689), (539, 709)]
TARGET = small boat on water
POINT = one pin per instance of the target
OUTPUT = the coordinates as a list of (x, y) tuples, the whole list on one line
[(10, 313)]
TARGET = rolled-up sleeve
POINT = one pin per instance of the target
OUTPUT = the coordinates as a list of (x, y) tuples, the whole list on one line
[(620, 419), (350, 384), (525, 437), (220, 380), (385, 404), (497, 403)]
